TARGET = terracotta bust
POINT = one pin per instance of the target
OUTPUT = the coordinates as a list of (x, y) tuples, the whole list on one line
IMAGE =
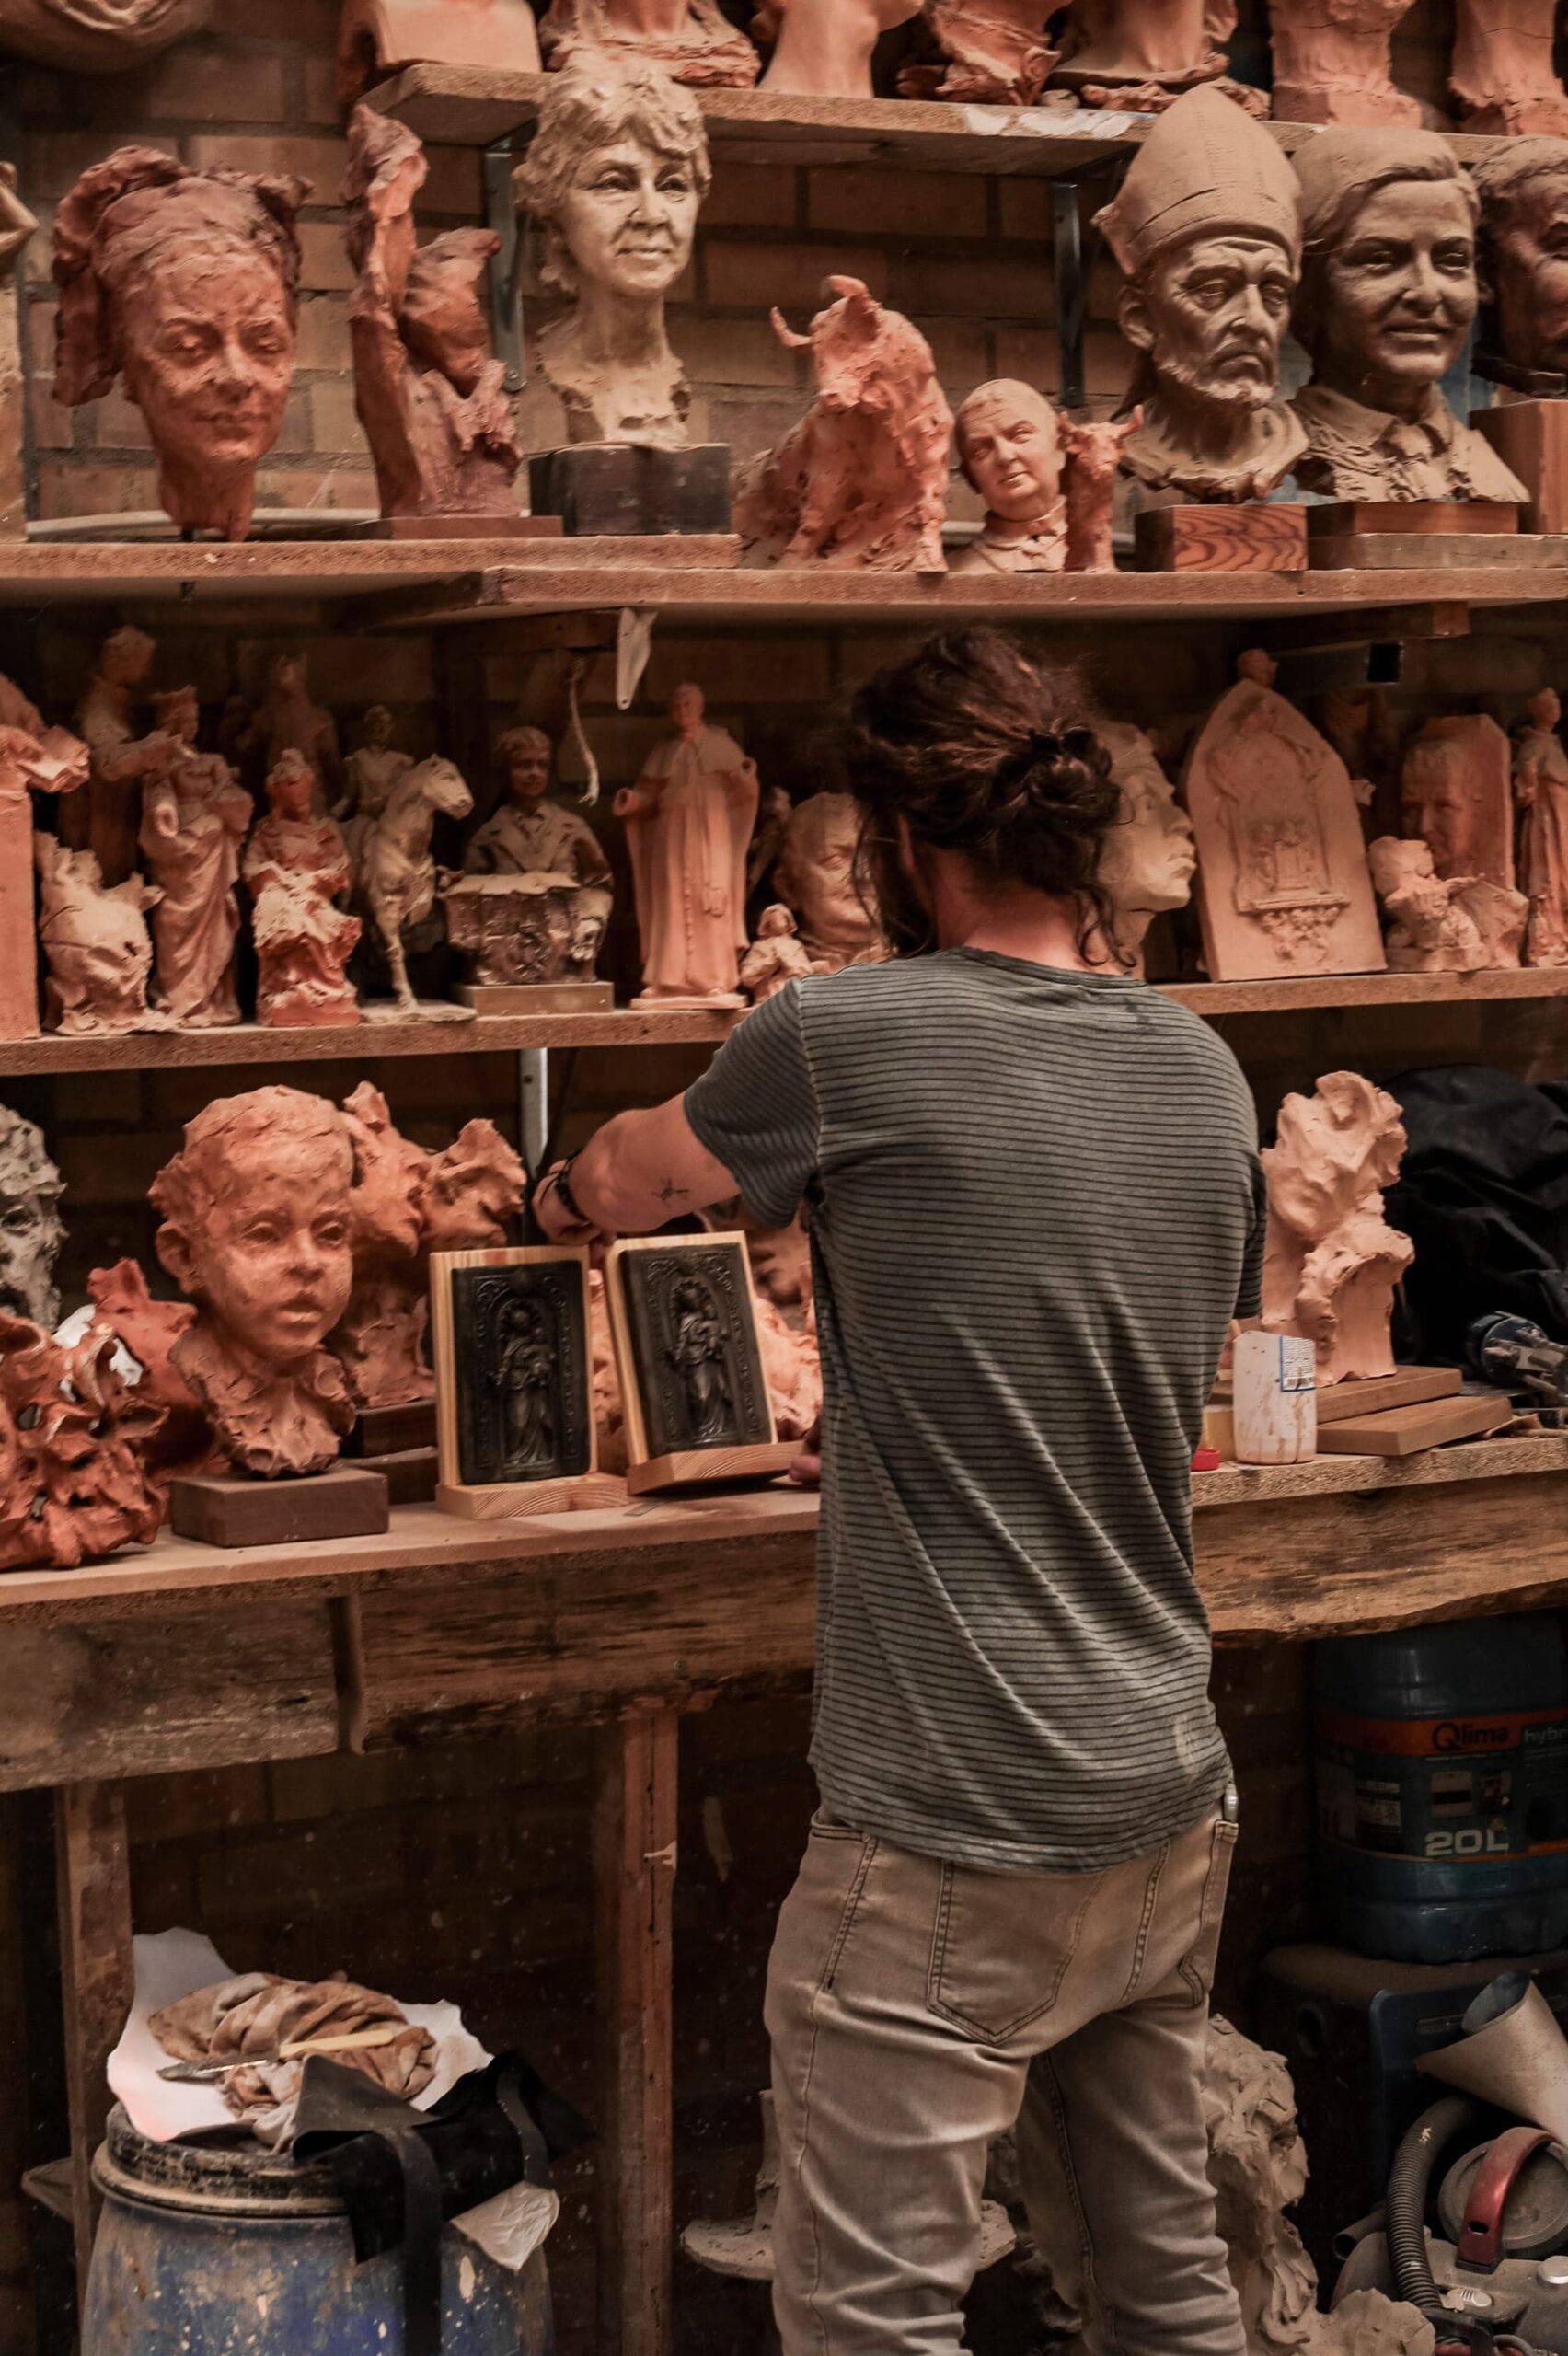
[(1501, 70), (87, 37), (1010, 451), (31, 1229), (1386, 299), (688, 820), (1332, 63), (822, 49), (297, 867), (1455, 795), (193, 823), (98, 951), (106, 819), (532, 833), (985, 52), (1150, 856), (1540, 791), (33, 759), (692, 40), (615, 178), (1441, 924), (1522, 339), (817, 878), (1207, 229), (428, 390), (186, 282), (256, 1230), (1332, 1259), (1145, 54)]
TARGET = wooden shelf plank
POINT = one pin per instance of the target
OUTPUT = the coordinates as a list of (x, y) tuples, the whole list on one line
[(248, 1044), (461, 106)]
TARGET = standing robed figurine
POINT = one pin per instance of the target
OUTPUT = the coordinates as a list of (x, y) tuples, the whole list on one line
[(688, 820)]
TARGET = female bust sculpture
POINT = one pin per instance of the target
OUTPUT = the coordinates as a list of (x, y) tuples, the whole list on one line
[(691, 39), (186, 282), (615, 178), (1387, 298)]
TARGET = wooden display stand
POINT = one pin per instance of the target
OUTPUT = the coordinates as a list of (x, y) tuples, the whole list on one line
[(1405, 1431), (350, 1501), (537, 997), (1392, 534), (1255, 537), (1532, 437), (598, 489)]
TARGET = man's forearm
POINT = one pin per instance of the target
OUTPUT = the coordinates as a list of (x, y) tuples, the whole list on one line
[(643, 1169)]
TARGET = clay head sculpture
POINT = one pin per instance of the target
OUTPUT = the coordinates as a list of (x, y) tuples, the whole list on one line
[(822, 47), (1386, 304), (1010, 450), (73, 1432), (616, 178), (819, 880), (690, 40), (257, 1228), (1149, 857), (1523, 339), (1331, 1261), (186, 282), (97, 36), (1207, 229), (31, 1229), (1502, 69)]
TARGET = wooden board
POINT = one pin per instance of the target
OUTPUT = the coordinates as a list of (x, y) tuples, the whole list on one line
[(1404, 1431), (504, 1500), (384, 1431), (1393, 551), (350, 1501), (537, 997), (93, 1897), (1331, 519), (1532, 437), (466, 528), (1409, 1387), (763, 1462), (1255, 537)]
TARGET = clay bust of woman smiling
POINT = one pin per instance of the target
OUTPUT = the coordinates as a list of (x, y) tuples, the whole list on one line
[(616, 179), (186, 282)]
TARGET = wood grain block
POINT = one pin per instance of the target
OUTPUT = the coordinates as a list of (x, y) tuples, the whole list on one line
[(409, 1473), (537, 997), (1394, 552), (1532, 437), (467, 528), (599, 488), (1333, 518), (388, 1431), (1256, 537), (1410, 1387), (505, 1500), (1404, 1431), (347, 1502), (764, 1462)]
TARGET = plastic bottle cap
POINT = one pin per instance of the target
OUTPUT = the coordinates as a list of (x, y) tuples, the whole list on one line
[(1206, 1460), (1552, 2273)]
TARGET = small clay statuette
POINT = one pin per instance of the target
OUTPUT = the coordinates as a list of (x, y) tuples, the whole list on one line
[(777, 957), (536, 891), (16, 226), (1092, 449), (398, 879), (1502, 71), (822, 49), (1522, 340), (861, 482), (615, 178), (378, 38), (105, 819), (1008, 450), (287, 720), (88, 37), (1332, 1259), (1441, 924), (429, 393), (72, 1482), (1143, 55), (1541, 790), (532, 833), (256, 1230), (1206, 228), (1386, 299), (818, 878), (193, 823), (1332, 63), (688, 820), (369, 777), (98, 951), (33, 759), (1149, 856), (297, 867), (692, 40), (187, 284), (982, 53), (31, 1229)]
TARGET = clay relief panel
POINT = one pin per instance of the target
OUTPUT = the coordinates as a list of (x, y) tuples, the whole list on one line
[(521, 1366), (694, 1356)]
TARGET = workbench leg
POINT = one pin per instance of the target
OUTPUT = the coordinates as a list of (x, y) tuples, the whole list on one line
[(15, 2266), (634, 1872), (93, 1889)]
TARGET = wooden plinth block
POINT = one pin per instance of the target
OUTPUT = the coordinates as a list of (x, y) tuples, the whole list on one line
[(1252, 538), (1336, 518), (1396, 552), (388, 1431), (764, 1462), (1412, 1386), (537, 997), (505, 1500), (599, 489), (466, 528), (409, 1473), (347, 1502), (1532, 437), (1405, 1431)]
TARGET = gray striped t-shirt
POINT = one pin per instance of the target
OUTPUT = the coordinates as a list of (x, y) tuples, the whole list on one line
[(1034, 1204)]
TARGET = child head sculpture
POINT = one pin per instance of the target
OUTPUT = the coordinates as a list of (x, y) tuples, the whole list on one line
[(256, 1222), (186, 282), (1523, 188), (618, 145), (31, 1229), (526, 757)]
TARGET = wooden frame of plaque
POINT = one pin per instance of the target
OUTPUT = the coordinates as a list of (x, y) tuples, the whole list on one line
[(683, 1317), (515, 1383)]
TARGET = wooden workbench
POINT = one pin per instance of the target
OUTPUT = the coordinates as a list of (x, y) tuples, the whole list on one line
[(629, 1617)]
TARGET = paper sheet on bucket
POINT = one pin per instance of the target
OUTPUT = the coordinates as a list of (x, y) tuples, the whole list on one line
[(173, 1964)]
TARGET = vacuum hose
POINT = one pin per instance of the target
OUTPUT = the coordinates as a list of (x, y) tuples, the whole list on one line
[(1410, 2180)]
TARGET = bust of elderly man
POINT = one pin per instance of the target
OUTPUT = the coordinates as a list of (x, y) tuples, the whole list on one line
[(1388, 296), (1523, 338), (1010, 450), (1207, 229)]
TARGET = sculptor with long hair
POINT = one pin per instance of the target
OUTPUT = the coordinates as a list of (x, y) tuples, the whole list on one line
[(1036, 1204)]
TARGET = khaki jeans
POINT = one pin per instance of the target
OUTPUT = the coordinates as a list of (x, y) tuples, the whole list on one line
[(918, 2010)]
